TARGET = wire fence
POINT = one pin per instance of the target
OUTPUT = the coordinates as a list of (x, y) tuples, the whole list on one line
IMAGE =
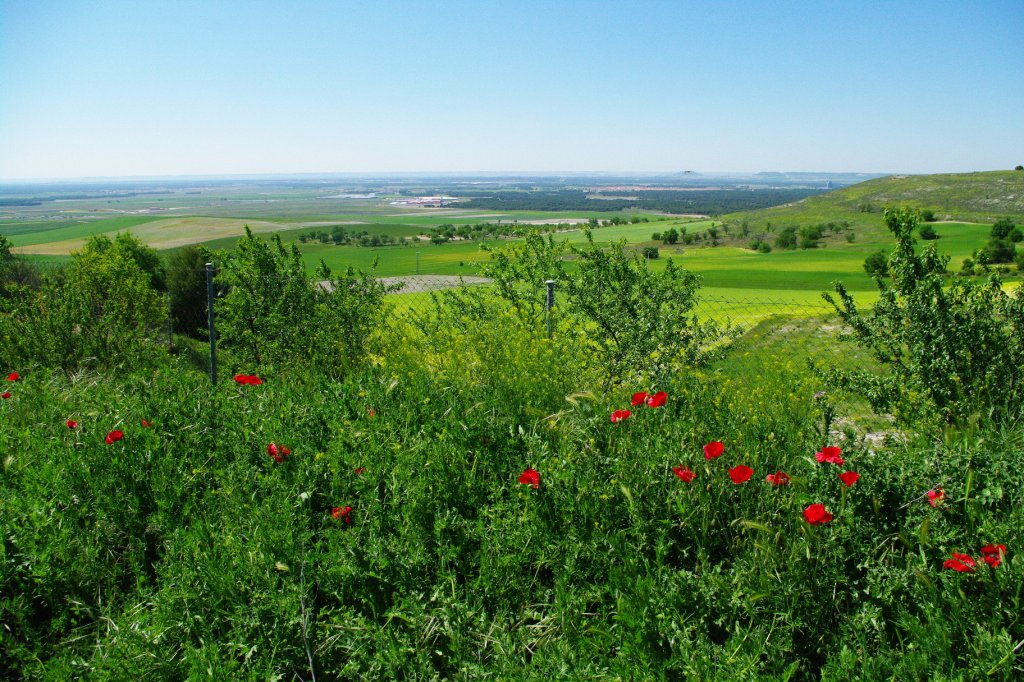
[(762, 336)]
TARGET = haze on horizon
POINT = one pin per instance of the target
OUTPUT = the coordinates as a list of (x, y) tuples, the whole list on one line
[(120, 89)]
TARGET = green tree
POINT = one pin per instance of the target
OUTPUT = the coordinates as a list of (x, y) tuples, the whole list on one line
[(927, 232), (877, 264), (275, 314), (786, 238), (952, 349), (186, 286), (101, 310), (1001, 228)]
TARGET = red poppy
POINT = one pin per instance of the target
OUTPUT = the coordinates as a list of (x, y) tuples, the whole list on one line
[(829, 455), (849, 477), (740, 474), (658, 399), (619, 415), (72, 424), (276, 452), (113, 437), (993, 554), (372, 413), (6, 395), (360, 471), (145, 424), (816, 514), (778, 478), (530, 477), (285, 450), (713, 449), (13, 376), (342, 513), (935, 497), (248, 379), (638, 399), (684, 473), (961, 563)]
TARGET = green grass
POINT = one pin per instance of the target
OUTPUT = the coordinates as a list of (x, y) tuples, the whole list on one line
[(185, 550)]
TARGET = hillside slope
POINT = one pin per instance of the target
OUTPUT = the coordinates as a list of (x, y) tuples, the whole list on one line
[(969, 197)]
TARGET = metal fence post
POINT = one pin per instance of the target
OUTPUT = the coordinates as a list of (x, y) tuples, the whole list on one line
[(550, 302), (213, 328)]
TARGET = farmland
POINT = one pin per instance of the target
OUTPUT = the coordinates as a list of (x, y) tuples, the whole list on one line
[(644, 490)]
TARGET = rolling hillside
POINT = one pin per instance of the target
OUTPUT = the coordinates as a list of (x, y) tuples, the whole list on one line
[(964, 197)]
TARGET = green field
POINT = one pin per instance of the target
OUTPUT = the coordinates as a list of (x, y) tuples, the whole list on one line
[(730, 270)]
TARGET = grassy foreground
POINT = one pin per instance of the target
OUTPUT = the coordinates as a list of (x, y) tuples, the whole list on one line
[(395, 541)]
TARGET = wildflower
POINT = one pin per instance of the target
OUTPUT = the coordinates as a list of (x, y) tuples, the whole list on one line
[(740, 474), (360, 471), (113, 437), (72, 424), (248, 379), (993, 554), (778, 478), (658, 399), (713, 449), (145, 424), (684, 473), (342, 513), (278, 453), (829, 455), (816, 514), (961, 563), (13, 376), (638, 399), (935, 497), (372, 413), (619, 415), (849, 477), (6, 395), (530, 477)]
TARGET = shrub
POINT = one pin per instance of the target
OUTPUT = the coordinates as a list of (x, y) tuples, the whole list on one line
[(1001, 228), (650, 252), (186, 285), (786, 238), (950, 351), (635, 321), (877, 264), (274, 313), (928, 232), (928, 216), (101, 309), (998, 251)]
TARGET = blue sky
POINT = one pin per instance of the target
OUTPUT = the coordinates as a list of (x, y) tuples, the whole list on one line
[(166, 88)]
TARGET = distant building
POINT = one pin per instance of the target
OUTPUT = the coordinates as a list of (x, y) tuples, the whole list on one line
[(828, 184)]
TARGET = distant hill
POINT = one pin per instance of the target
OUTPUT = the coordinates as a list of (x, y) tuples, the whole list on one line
[(970, 197)]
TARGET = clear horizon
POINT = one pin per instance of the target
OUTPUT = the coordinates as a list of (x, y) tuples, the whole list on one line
[(122, 90)]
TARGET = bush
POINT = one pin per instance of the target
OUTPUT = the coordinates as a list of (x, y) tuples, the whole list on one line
[(275, 314), (186, 285), (786, 238), (15, 271), (998, 251), (951, 351), (928, 216), (877, 264), (635, 321), (101, 310), (1002, 228), (650, 252), (928, 232)]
